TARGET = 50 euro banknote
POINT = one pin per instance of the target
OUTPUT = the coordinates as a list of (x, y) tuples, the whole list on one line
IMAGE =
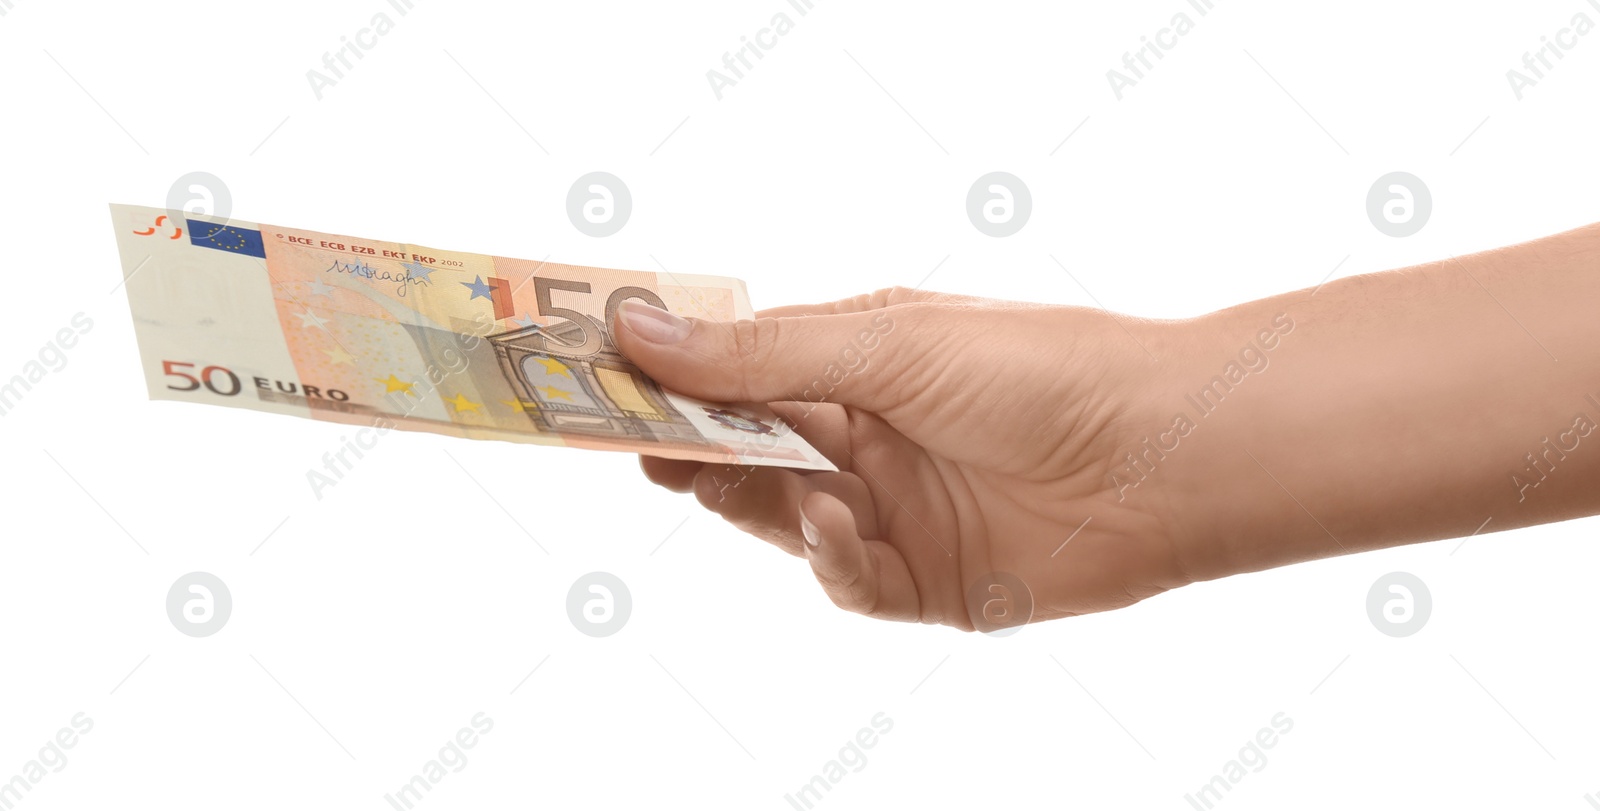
[(389, 335)]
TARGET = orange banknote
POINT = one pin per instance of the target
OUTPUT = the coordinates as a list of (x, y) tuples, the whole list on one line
[(368, 332)]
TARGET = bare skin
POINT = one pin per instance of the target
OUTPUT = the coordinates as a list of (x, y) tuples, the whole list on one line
[(977, 437)]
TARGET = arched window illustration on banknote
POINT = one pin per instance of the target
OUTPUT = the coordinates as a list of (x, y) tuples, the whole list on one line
[(600, 394)]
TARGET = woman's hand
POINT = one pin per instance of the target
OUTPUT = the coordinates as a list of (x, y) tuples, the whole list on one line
[(976, 442), (1006, 462)]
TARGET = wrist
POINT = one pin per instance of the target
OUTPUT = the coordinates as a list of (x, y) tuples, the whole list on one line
[(1201, 465)]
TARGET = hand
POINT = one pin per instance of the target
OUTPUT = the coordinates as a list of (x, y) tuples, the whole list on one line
[(973, 437), (1100, 460)]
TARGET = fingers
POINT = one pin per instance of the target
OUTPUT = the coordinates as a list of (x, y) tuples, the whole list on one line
[(755, 500), (765, 502), (676, 475), (866, 577), (814, 515), (771, 359)]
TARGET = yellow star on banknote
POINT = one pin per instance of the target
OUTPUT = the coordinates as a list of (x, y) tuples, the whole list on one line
[(338, 355), (461, 403), (553, 366), (394, 384), (519, 405), (553, 393)]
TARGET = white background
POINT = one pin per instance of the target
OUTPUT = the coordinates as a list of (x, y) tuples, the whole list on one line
[(374, 623)]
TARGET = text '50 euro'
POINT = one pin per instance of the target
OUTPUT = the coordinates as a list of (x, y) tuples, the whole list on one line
[(365, 332)]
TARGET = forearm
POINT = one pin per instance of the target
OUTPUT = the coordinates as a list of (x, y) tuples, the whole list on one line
[(1403, 406)]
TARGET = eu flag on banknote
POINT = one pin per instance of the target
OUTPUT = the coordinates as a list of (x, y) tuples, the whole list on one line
[(230, 238)]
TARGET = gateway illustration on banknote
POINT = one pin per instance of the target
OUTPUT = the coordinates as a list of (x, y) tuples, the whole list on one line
[(598, 394), (366, 332)]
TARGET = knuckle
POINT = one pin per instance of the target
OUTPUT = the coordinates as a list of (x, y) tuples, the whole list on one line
[(891, 296), (751, 339), (900, 295), (848, 590), (755, 342)]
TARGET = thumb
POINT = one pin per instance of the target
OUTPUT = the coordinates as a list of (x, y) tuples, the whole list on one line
[(802, 358)]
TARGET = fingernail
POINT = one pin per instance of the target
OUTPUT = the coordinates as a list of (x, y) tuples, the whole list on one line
[(808, 529), (653, 323)]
